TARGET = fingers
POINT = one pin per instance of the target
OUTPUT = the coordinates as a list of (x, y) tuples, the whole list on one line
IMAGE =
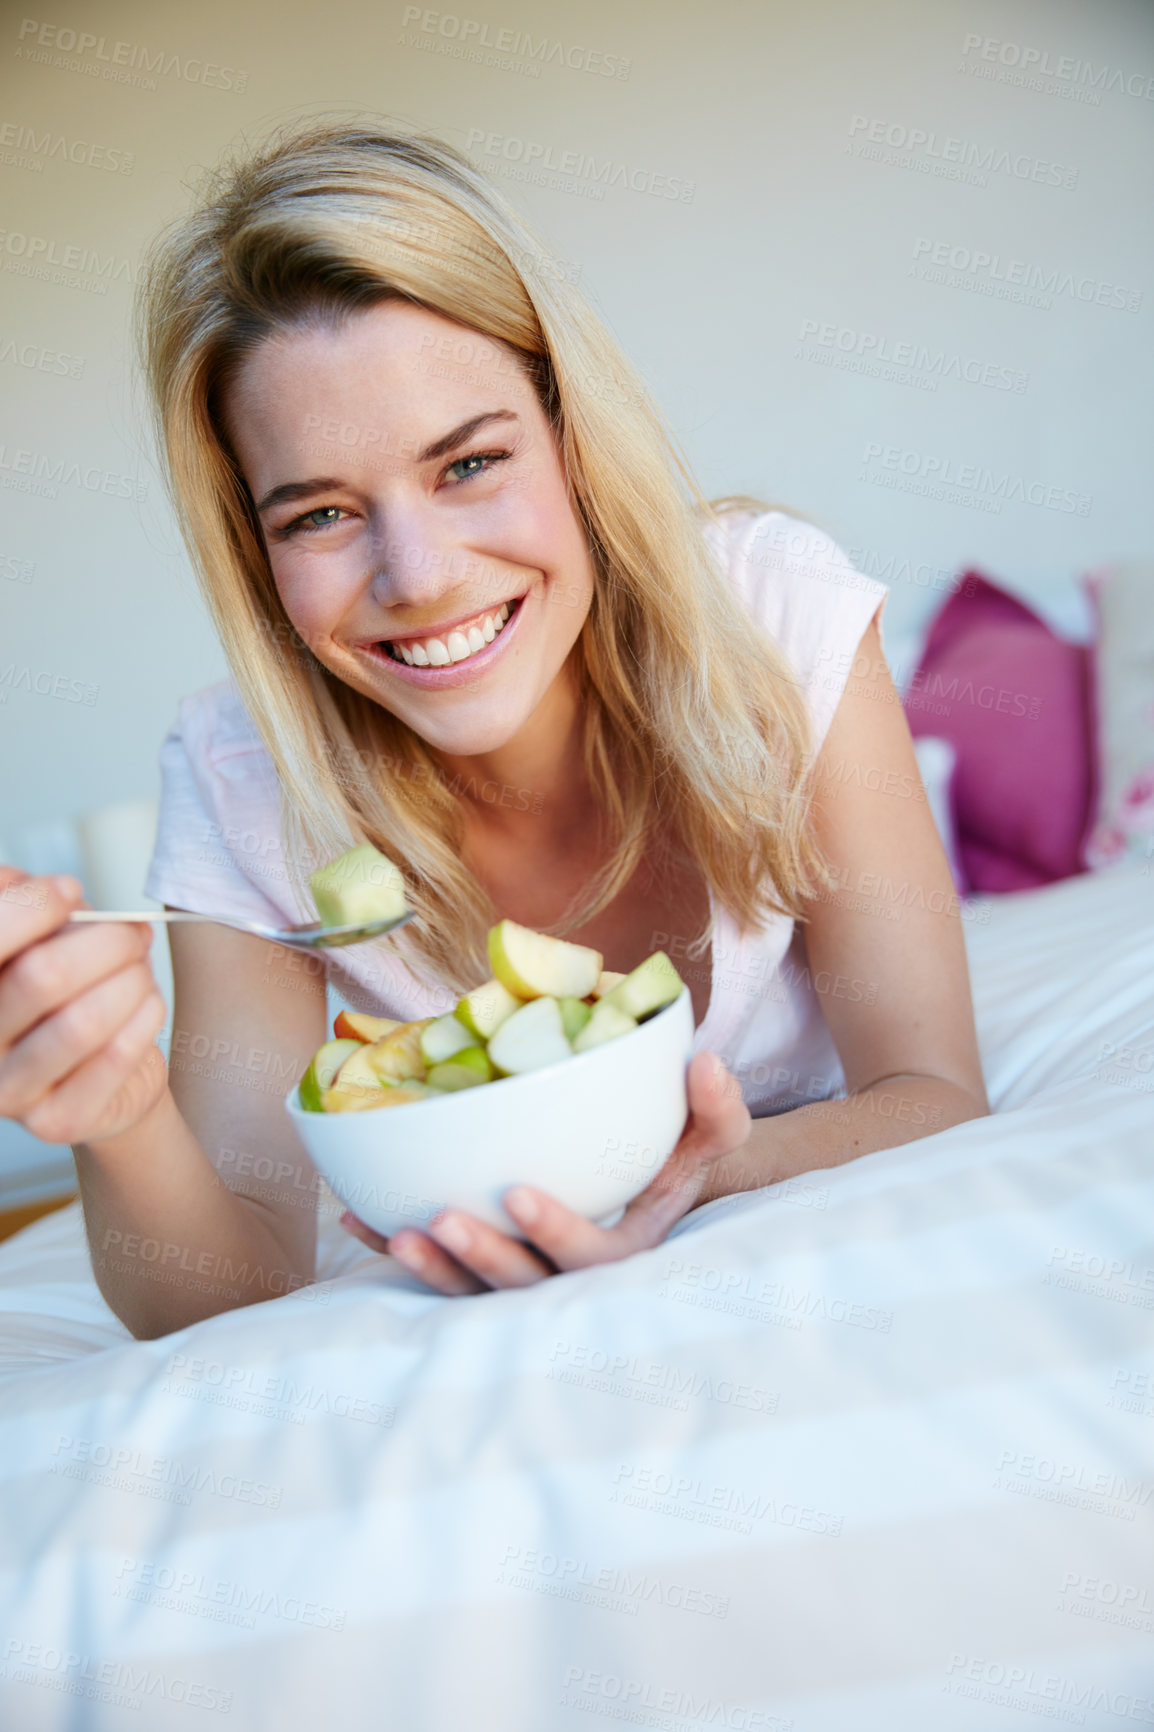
[(494, 1257), (88, 1104), (425, 1259), (51, 970), (63, 1041), (79, 1011), (420, 1255), (568, 1240), (458, 1255), (353, 1225), (30, 908)]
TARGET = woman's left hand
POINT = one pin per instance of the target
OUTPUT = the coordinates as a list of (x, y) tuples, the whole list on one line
[(460, 1254)]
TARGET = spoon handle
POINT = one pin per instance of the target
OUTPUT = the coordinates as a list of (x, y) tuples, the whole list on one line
[(168, 914)]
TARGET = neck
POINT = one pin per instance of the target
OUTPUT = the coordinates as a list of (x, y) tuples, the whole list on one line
[(533, 788)]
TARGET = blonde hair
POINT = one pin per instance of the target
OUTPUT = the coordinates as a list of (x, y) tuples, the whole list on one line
[(695, 734)]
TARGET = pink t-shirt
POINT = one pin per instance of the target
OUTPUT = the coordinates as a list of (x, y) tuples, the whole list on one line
[(218, 848)]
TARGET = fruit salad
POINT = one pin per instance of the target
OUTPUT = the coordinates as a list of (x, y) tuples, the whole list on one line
[(547, 1000)]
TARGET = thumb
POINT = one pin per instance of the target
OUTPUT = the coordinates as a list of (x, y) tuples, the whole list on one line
[(718, 1117)]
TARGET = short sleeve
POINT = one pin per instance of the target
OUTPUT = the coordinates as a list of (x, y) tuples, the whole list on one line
[(218, 829), (807, 595)]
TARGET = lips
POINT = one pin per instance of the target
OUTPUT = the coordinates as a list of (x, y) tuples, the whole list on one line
[(451, 644), (449, 672)]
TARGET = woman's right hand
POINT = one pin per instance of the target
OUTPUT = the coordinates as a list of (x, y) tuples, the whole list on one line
[(79, 1014)]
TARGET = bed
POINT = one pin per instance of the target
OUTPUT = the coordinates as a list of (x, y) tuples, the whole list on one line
[(871, 1448)]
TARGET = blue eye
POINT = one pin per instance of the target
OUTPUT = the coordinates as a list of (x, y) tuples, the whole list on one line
[(304, 523), (481, 458)]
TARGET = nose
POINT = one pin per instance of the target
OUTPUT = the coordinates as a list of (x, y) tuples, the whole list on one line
[(416, 557)]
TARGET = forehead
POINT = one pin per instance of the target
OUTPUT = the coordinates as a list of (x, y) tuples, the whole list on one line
[(394, 365), (394, 340)]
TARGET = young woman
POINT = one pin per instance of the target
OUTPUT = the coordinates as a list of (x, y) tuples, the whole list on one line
[(475, 616)]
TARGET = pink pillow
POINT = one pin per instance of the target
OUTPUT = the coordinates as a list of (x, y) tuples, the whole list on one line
[(1014, 701)]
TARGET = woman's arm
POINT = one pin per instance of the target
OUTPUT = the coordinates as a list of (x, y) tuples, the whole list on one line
[(208, 1202), (886, 944)]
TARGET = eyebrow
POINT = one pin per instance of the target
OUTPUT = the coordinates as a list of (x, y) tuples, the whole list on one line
[(292, 490)]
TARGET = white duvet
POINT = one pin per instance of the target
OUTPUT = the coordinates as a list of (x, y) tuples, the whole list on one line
[(871, 1450)]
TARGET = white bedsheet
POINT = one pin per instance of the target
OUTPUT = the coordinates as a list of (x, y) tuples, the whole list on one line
[(871, 1450)]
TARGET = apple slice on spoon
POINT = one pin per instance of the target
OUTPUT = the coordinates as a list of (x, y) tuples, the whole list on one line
[(360, 887)]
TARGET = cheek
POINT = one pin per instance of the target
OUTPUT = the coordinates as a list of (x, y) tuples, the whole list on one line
[(313, 595), (544, 533)]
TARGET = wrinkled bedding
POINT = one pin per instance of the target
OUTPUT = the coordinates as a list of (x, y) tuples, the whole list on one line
[(873, 1448)]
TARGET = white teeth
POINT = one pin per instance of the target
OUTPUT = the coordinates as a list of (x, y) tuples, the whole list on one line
[(458, 646)]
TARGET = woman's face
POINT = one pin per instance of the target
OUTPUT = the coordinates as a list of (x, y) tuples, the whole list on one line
[(410, 491)]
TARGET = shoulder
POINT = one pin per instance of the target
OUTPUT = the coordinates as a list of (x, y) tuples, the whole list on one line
[(215, 764), (794, 577), (804, 591), (214, 741), (215, 726)]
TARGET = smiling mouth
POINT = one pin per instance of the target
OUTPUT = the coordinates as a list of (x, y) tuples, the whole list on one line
[(446, 648)]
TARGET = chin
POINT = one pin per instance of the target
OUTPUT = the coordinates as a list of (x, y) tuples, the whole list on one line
[(466, 736)]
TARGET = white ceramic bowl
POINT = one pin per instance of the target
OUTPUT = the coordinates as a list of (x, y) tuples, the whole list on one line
[(592, 1131)]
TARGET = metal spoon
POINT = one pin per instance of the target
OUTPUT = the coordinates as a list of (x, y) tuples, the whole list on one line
[(310, 937)]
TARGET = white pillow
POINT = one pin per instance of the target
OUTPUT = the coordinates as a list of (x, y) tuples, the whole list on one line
[(1123, 827)]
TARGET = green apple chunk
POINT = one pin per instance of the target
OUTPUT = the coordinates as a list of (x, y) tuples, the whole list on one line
[(443, 1038), (532, 965), (325, 1064), (532, 1037), (575, 1013), (606, 1023), (653, 983), (463, 1071), (360, 887), (483, 1010), (607, 982)]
